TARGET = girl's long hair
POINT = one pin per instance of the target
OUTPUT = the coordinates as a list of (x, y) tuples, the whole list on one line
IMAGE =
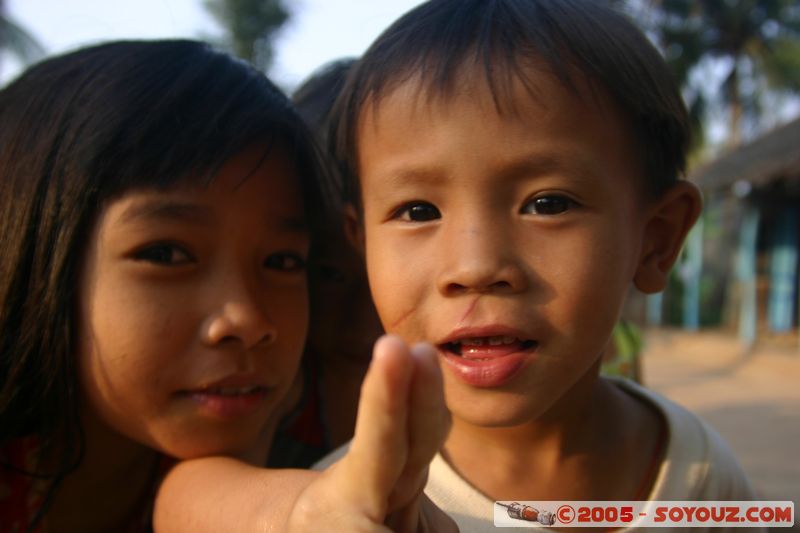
[(75, 132)]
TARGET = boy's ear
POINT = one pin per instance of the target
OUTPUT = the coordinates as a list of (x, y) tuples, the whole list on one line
[(668, 223), (354, 229)]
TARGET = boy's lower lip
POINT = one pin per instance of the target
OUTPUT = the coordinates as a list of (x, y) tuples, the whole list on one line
[(493, 368), (228, 406)]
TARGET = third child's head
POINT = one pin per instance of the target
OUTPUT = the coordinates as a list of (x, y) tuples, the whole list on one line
[(517, 167), (343, 325)]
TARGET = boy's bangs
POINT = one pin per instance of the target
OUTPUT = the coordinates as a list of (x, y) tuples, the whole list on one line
[(444, 44), (481, 41)]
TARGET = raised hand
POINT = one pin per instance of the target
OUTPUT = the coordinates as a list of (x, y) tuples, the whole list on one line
[(402, 422)]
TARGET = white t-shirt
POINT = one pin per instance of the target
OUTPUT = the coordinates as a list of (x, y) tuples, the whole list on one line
[(697, 465)]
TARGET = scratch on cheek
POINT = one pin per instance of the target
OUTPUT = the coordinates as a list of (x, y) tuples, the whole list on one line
[(400, 320), (469, 309)]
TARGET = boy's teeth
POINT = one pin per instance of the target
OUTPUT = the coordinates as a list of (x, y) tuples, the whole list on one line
[(496, 340), (472, 342)]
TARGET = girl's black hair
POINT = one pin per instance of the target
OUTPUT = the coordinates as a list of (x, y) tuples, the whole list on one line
[(75, 132), (507, 40)]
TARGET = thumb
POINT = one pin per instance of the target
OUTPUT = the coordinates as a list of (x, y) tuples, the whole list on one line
[(379, 449)]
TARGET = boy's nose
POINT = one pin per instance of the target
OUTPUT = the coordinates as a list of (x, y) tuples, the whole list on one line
[(480, 261), (240, 318)]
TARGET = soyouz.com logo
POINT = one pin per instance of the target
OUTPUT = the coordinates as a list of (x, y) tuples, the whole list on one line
[(621, 514)]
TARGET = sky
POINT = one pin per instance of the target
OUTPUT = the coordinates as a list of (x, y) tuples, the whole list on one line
[(319, 30)]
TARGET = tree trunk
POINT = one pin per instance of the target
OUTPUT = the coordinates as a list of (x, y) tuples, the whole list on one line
[(735, 100), (2, 37)]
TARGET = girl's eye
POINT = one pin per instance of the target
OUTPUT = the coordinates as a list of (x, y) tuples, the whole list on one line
[(164, 254), (285, 262), (418, 212), (548, 205)]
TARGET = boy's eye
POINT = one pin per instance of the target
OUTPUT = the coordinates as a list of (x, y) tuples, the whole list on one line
[(547, 205), (285, 262), (418, 212), (164, 254)]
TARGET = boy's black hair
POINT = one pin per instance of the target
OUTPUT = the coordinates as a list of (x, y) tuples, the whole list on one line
[(77, 131), (510, 40)]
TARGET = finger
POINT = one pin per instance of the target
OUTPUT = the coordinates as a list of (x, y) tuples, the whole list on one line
[(429, 422), (379, 449), (429, 419)]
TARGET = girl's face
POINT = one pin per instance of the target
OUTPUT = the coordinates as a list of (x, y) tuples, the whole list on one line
[(193, 308)]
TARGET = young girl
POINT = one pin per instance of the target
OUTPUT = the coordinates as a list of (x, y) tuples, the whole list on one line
[(156, 207)]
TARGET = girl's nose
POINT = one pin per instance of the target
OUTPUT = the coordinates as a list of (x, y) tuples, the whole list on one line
[(477, 260), (240, 320)]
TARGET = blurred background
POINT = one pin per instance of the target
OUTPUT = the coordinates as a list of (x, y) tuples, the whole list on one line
[(286, 38), (723, 339)]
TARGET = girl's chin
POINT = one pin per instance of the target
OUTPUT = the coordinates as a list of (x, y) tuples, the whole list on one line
[(244, 444)]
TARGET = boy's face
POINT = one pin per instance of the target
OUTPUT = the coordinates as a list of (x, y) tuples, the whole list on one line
[(508, 241)]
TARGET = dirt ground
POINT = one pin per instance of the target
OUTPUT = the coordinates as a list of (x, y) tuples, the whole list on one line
[(752, 398)]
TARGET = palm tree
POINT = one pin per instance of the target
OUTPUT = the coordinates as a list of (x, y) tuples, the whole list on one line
[(754, 43), (15, 40), (251, 26)]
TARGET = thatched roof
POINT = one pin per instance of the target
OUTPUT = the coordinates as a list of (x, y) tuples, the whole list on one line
[(773, 156)]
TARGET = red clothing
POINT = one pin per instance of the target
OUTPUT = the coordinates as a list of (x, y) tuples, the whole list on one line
[(21, 495)]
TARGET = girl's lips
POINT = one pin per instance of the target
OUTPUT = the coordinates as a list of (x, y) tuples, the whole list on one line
[(227, 401), (487, 364), (226, 405)]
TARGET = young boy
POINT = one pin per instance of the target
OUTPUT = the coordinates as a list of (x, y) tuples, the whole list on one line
[(516, 168)]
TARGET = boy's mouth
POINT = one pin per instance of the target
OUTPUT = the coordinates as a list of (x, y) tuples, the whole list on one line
[(485, 348), (487, 357)]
